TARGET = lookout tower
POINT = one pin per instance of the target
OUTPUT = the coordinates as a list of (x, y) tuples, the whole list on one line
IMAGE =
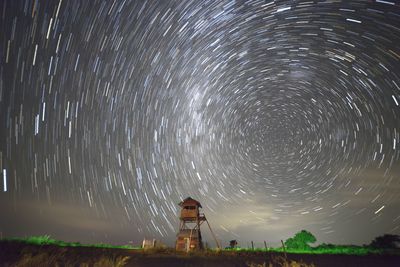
[(189, 235)]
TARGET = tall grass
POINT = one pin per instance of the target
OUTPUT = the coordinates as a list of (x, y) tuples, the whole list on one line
[(282, 262), (51, 259), (119, 261), (40, 259)]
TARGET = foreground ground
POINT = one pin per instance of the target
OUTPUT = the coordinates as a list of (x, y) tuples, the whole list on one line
[(20, 254)]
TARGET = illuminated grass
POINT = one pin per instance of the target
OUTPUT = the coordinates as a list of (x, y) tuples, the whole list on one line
[(46, 240), (331, 249), (321, 249)]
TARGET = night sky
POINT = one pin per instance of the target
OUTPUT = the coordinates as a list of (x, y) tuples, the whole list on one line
[(276, 115)]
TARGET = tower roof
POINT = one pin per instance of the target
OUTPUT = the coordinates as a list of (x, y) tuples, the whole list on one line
[(189, 201)]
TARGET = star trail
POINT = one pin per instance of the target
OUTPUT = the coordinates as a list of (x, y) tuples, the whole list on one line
[(276, 115)]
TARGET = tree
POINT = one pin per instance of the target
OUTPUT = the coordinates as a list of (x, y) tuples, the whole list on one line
[(233, 244), (386, 241), (301, 240)]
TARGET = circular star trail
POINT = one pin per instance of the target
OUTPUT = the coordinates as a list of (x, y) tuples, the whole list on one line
[(285, 113)]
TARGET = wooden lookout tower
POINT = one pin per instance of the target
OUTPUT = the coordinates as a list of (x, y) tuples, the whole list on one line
[(189, 235)]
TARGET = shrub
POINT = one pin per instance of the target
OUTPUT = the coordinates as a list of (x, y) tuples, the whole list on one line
[(300, 241), (386, 242)]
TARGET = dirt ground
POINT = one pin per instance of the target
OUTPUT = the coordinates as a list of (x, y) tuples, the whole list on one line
[(19, 254)]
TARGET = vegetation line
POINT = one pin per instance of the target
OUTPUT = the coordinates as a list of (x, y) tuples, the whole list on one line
[(46, 240), (299, 244)]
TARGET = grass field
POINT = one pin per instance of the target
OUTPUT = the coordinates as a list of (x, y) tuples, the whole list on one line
[(332, 250), (321, 249), (47, 240), (45, 251)]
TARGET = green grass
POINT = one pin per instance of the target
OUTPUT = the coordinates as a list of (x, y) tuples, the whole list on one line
[(331, 249), (46, 240), (321, 249)]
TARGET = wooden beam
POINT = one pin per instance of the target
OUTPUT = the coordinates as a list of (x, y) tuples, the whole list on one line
[(215, 238)]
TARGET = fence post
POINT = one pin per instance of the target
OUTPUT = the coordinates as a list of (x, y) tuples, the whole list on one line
[(284, 249), (265, 245)]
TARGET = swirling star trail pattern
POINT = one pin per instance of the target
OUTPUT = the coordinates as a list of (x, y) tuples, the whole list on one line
[(276, 115)]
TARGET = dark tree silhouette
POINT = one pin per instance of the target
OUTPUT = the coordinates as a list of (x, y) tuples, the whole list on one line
[(233, 244), (386, 241), (301, 240)]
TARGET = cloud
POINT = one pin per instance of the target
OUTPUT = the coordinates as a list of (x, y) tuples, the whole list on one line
[(32, 217), (371, 187)]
